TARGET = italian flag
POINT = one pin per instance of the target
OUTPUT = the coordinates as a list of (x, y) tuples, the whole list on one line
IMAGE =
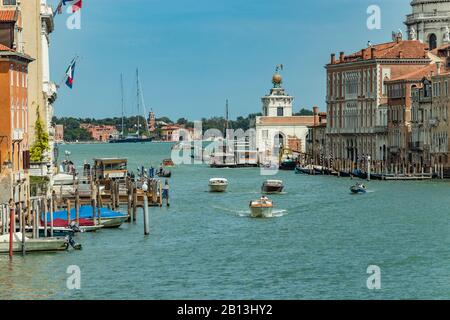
[(70, 73), (76, 4)]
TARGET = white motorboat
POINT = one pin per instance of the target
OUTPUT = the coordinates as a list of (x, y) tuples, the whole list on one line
[(32, 245), (218, 185), (261, 208)]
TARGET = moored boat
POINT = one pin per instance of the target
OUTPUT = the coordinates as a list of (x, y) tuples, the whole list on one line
[(272, 186), (261, 208), (303, 170), (218, 185), (32, 245), (288, 165)]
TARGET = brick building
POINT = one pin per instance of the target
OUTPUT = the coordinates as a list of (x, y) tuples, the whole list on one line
[(14, 146), (357, 100)]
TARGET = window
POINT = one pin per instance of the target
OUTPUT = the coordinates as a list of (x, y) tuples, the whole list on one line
[(280, 112), (9, 2), (432, 41), (265, 134)]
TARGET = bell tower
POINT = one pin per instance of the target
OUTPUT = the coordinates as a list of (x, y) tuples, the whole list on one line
[(277, 103)]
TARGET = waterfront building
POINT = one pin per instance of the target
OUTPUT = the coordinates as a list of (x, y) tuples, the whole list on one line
[(316, 142), (36, 26), (14, 144), (357, 101), (101, 133), (59, 133), (278, 129), (176, 133), (151, 122), (399, 93), (429, 22)]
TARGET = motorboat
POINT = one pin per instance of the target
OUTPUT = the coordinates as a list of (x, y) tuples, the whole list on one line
[(261, 208), (358, 189), (218, 185), (272, 186), (32, 245)]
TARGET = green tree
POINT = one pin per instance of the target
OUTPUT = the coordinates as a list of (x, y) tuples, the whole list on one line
[(41, 144), (304, 112)]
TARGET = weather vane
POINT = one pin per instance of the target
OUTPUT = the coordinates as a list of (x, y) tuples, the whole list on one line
[(279, 68)]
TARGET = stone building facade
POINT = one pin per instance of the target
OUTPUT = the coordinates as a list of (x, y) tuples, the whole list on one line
[(357, 100)]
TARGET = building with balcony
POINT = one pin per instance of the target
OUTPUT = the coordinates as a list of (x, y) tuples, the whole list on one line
[(36, 25), (14, 144), (399, 95), (357, 101)]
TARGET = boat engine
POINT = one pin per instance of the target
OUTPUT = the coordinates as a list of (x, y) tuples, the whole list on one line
[(72, 243), (74, 226)]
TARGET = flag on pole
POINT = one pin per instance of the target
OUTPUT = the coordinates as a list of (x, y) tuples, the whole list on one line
[(58, 8), (70, 73), (76, 4)]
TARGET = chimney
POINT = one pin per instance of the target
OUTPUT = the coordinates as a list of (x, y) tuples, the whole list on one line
[(363, 53), (372, 53), (341, 56), (333, 58), (316, 115)]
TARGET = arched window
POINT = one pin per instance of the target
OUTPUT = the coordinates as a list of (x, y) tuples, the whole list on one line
[(432, 41)]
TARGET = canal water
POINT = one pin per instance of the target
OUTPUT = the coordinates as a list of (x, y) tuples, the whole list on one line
[(206, 247)]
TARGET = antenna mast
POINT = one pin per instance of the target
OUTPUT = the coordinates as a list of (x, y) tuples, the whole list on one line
[(123, 106), (138, 102)]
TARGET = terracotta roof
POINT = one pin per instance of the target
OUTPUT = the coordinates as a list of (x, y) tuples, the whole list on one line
[(8, 15), (301, 121), (4, 48), (403, 49), (418, 74)]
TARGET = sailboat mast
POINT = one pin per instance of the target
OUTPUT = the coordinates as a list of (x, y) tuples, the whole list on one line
[(138, 102), (123, 106)]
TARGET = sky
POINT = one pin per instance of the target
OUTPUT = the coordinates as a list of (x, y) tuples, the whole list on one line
[(192, 55)]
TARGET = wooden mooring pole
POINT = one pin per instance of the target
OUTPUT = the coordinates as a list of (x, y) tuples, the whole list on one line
[(146, 218), (12, 218)]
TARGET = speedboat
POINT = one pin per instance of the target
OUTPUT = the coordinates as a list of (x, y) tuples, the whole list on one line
[(358, 188), (218, 185), (261, 208), (32, 245), (272, 186), (168, 163)]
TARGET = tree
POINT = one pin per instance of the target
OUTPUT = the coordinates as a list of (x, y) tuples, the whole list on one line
[(304, 112), (41, 145)]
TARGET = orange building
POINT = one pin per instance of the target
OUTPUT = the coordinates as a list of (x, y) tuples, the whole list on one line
[(14, 155), (101, 133)]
